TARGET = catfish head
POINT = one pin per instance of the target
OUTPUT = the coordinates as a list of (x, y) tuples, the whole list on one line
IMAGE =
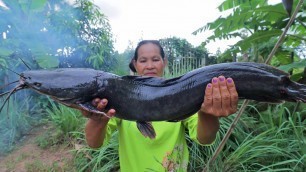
[(73, 87), (65, 85)]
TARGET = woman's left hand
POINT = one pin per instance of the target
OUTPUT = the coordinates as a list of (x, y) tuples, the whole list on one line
[(221, 97)]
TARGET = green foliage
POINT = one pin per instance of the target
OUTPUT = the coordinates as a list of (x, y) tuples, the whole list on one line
[(51, 34), (258, 25), (52, 138), (41, 166), (183, 70), (66, 119), (121, 66), (297, 70), (96, 31), (271, 140), (177, 48), (267, 138), (55, 34), (47, 62), (103, 159), (66, 123), (15, 121)]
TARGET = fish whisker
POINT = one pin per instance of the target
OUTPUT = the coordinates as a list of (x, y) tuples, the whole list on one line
[(5, 85), (12, 71), (17, 88), (2, 94), (25, 63)]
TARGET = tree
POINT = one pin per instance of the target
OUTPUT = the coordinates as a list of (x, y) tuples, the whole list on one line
[(176, 48), (259, 25), (49, 34)]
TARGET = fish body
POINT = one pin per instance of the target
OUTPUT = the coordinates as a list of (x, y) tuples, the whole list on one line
[(145, 99)]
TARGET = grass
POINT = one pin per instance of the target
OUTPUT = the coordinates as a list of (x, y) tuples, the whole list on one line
[(270, 141), (14, 122), (103, 159), (51, 138), (273, 140), (10, 165), (41, 166), (69, 129), (64, 118), (66, 122)]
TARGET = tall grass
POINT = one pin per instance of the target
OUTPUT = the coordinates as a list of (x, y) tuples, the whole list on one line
[(66, 120), (70, 123), (268, 140), (103, 159), (14, 122), (273, 140)]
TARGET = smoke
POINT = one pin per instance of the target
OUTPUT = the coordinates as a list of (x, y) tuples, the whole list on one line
[(46, 34)]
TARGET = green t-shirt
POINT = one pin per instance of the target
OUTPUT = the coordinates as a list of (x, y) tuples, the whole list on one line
[(167, 152)]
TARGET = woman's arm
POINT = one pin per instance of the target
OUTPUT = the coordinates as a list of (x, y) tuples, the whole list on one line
[(95, 129), (221, 100)]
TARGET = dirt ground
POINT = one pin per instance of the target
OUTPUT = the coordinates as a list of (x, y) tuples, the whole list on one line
[(28, 156)]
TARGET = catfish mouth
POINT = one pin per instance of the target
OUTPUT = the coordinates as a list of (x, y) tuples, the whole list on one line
[(20, 86), (35, 85)]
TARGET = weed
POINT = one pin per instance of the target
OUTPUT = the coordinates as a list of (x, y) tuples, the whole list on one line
[(103, 159), (65, 118), (271, 140), (14, 123)]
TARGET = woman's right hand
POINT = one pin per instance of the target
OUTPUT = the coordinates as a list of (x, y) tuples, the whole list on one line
[(100, 104), (95, 129)]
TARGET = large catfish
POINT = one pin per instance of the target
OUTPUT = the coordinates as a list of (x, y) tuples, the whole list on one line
[(145, 99)]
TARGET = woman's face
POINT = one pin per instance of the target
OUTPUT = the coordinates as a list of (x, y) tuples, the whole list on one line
[(149, 62)]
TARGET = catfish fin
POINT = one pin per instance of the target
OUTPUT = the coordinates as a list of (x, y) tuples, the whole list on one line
[(146, 129), (90, 108)]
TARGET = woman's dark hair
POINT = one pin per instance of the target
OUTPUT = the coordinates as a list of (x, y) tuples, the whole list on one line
[(155, 42)]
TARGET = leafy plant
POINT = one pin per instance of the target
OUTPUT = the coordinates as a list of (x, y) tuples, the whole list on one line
[(55, 34), (66, 119), (15, 121), (103, 159), (258, 24), (271, 140)]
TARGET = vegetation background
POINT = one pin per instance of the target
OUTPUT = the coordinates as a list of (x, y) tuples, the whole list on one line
[(55, 34)]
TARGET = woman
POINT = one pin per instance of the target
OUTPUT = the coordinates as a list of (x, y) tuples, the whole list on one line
[(168, 151)]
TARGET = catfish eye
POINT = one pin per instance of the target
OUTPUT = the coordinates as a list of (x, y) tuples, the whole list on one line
[(37, 84)]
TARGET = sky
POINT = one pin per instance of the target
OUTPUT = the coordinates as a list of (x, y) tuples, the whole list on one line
[(134, 20)]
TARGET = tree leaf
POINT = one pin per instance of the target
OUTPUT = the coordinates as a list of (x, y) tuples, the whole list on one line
[(288, 67), (5, 52), (46, 61), (260, 36)]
